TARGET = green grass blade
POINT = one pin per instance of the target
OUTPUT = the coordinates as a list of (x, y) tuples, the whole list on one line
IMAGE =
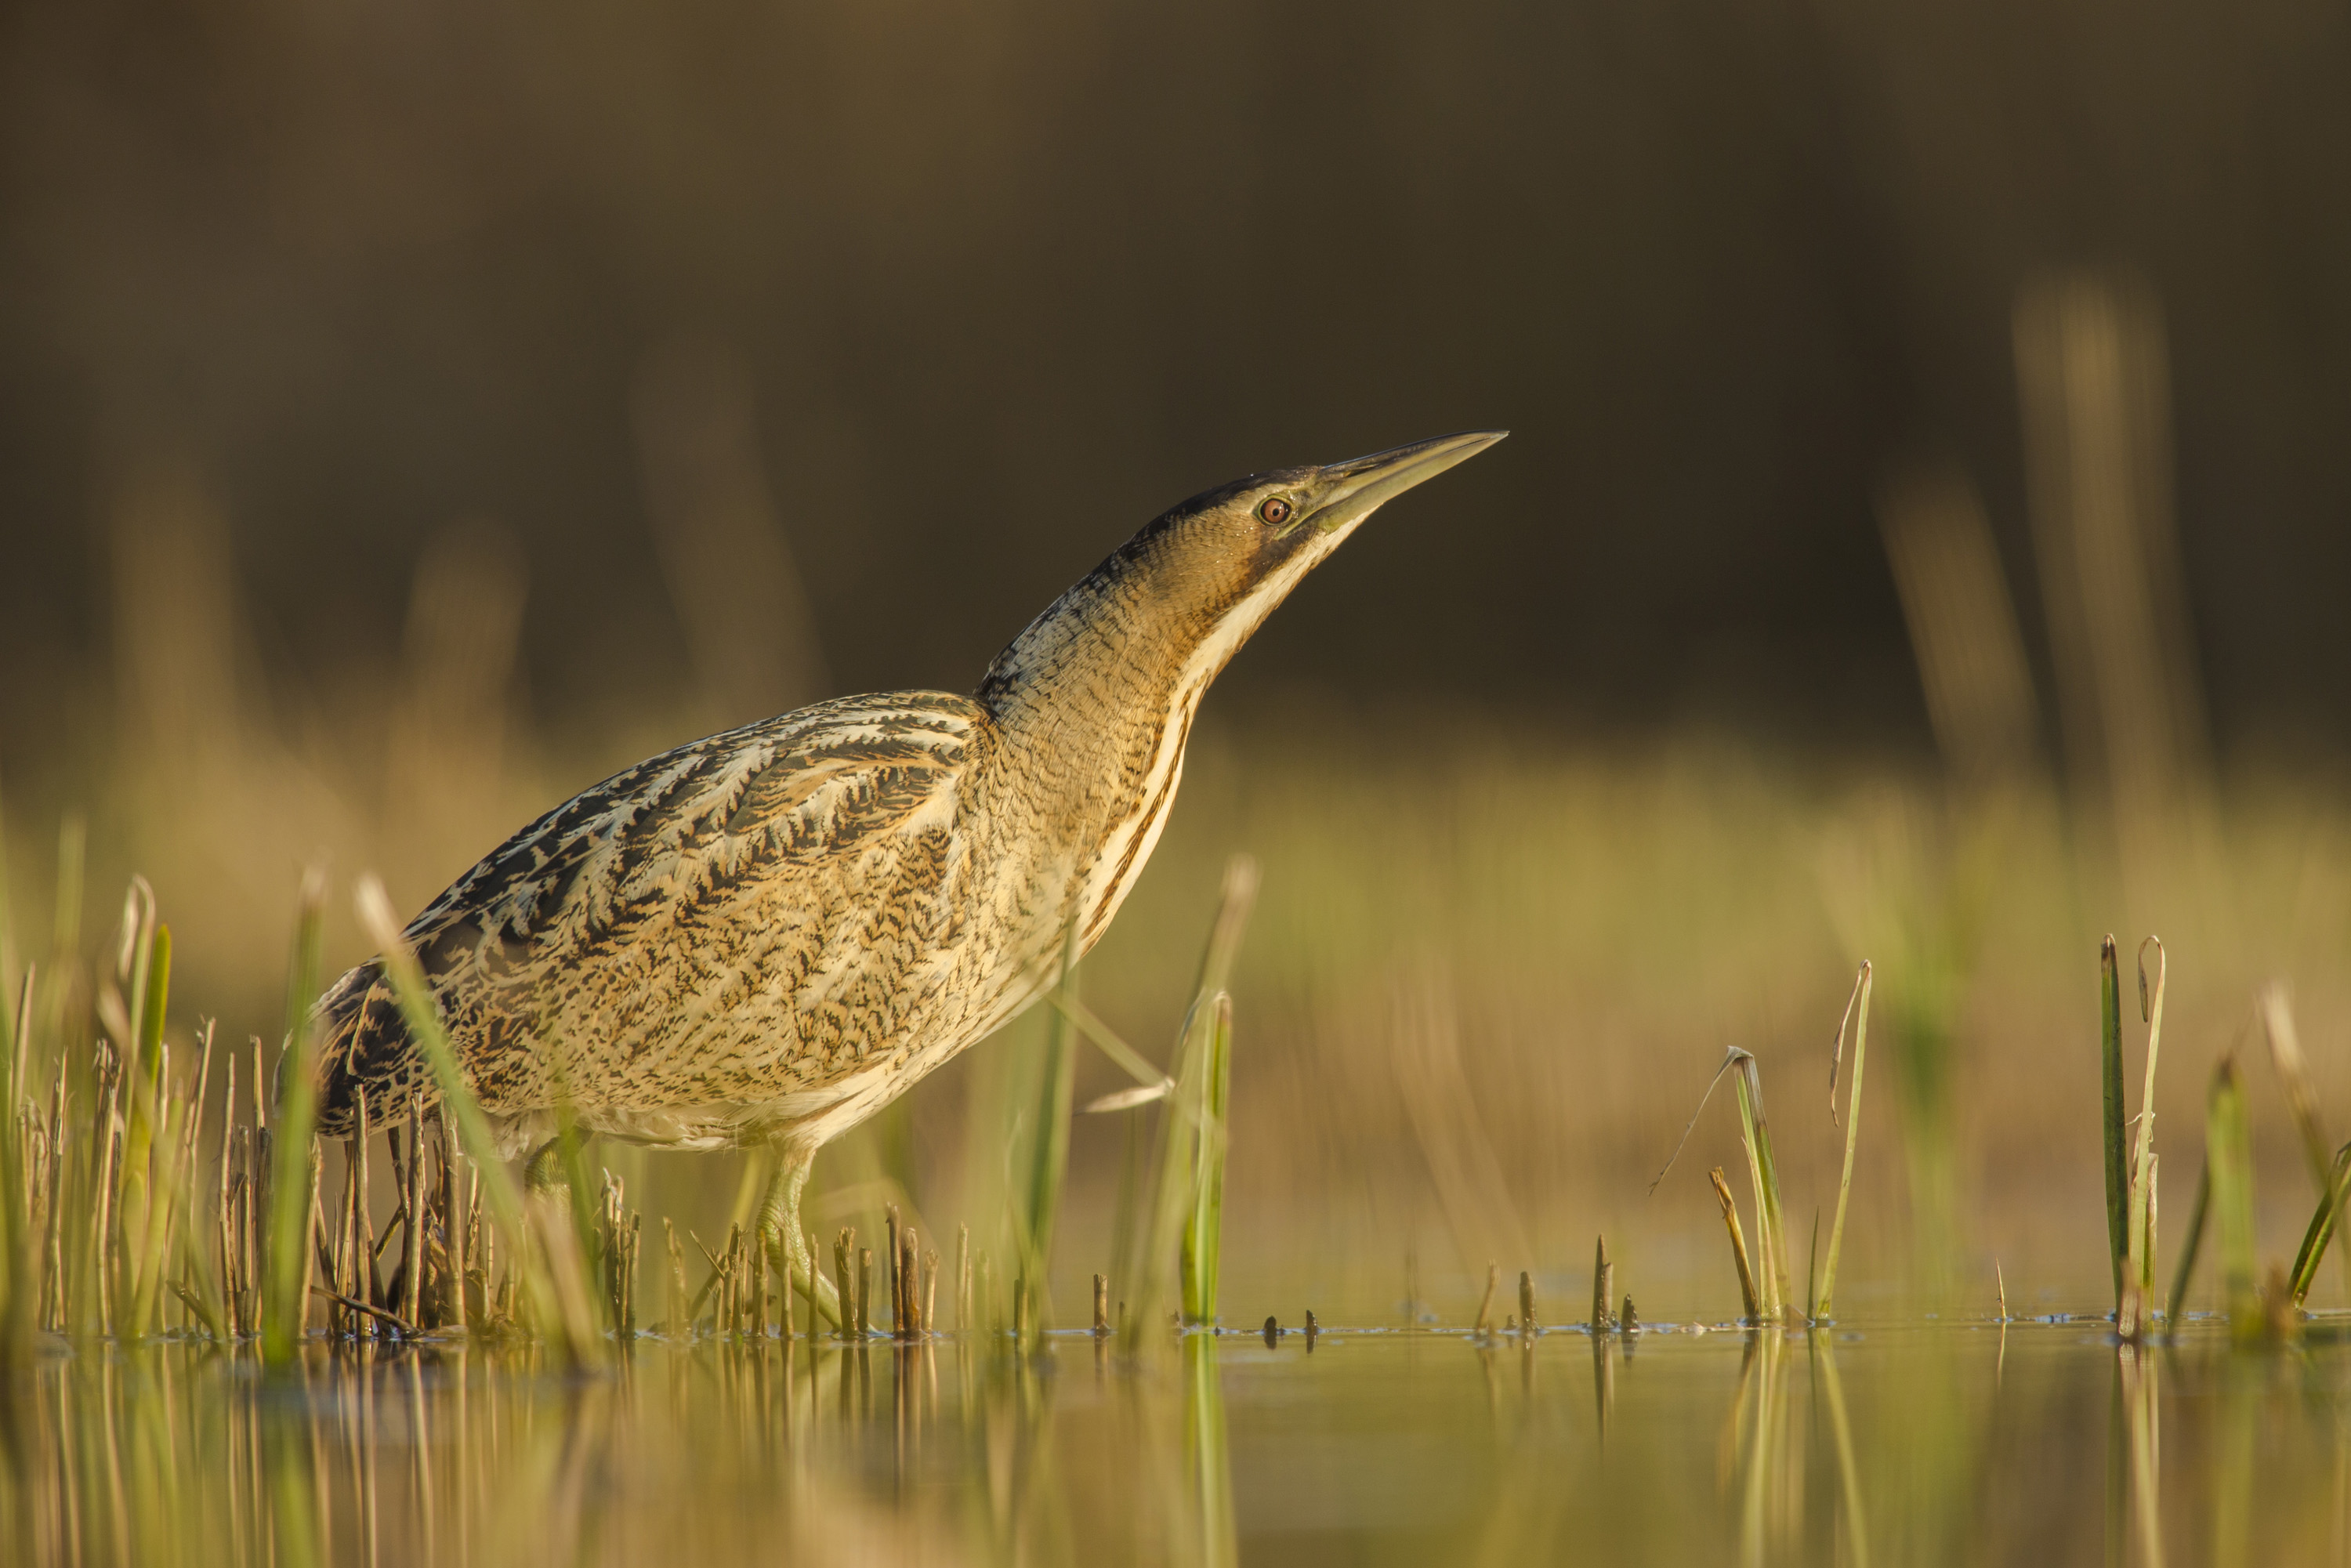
[(554, 1302), (1164, 1214), (1204, 1236), (2228, 1163), (1857, 1005), (284, 1311), (2321, 1232), (156, 995), (2177, 1302), (1772, 1231)]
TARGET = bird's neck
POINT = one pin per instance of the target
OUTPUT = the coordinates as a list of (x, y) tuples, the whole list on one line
[(1094, 704)]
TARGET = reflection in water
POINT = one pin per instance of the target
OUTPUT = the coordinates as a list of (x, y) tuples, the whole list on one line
[(1910, 1444)]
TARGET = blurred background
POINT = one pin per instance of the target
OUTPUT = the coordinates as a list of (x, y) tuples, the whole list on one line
[(1922, 535)]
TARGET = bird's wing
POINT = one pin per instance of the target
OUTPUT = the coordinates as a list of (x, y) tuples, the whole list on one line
[(628, 913)]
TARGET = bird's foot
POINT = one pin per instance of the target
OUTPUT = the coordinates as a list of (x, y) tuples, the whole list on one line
[(785, 1243)]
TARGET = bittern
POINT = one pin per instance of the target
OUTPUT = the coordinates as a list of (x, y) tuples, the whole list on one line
[(765, 936)]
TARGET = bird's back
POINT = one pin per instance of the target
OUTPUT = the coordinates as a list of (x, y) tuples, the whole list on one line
[(718, 942)]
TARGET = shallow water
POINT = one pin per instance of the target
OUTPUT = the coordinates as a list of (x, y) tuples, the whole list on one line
[(1963, 1443)]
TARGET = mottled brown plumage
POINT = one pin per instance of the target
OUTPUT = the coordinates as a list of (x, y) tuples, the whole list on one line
[(766, 936)]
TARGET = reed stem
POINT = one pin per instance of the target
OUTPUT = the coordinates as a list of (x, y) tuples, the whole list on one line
[(2110, 1078), (288, 1261), (1856, 1008)]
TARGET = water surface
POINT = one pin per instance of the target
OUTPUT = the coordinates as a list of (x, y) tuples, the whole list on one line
[(1897, 1443)]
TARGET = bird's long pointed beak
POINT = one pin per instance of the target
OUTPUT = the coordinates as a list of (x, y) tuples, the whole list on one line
[(1361, 484)]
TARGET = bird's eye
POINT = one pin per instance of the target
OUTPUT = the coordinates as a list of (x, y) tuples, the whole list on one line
[(1275, 511)]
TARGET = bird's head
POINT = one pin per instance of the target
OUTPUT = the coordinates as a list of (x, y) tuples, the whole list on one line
[(1200, 577)]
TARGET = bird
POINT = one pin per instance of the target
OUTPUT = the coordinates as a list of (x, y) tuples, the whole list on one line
[(761, 938)]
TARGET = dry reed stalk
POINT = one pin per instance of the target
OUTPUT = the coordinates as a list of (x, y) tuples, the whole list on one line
[(365, 1285), (930, 1289), (844, 1283), (810, 1296), (313, 1175), (453, 1243), (1628, 1322), (628, 1243), (338, 1276), (755, 1265), (865, 1292), (731, 1307), (1102, 1306), (1856, 1010), (1769, 1284), (910, 1277), (172, 1160), (2329, 1174), (679, 1322), (58, 1284), (1754, 1307), (244, 1241), (963, 1277), (411, 1248), (2138, 1269), (891, 1286), (101, 1227), (2110, 1078), (225, 1198), (1603, 1285), (480, 1253), (358, 1243), (1528, 1322), (2276, 1012)]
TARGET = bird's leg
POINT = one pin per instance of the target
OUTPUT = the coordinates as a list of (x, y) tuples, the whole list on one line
[(785, 1243), (548, 1169)]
